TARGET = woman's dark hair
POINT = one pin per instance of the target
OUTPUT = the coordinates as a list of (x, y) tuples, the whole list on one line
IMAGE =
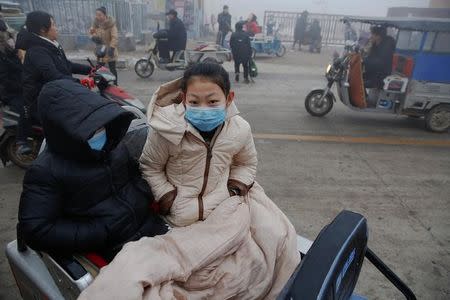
[(102, 9), (378, 30), (37, 21), (254, 18), (212, 72)]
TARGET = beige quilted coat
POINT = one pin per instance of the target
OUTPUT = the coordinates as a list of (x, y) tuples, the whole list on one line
[(176, 157), (243, 247), (107, 31)]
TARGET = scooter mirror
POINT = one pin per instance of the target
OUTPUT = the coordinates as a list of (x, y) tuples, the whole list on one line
[(158, 26)]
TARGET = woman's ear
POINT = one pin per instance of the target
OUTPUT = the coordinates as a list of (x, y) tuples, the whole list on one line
[(182, 95), (230, 97)]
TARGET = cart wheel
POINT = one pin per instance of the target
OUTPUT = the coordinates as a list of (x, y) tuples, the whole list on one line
[(438, 118), (144, 68), (318, 109), (281, 52), (253, 53)]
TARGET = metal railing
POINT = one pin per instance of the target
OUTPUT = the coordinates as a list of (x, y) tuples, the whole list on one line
[(76, 16), (332, 27)]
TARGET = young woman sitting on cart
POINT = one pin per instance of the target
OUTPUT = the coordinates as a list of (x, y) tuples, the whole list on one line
[(229, 240)]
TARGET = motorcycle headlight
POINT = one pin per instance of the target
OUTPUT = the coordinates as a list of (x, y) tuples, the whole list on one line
[(328, 69)]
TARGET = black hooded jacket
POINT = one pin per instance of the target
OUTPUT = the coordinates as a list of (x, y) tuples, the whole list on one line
[(177, 35), (44, 62), (241, 46), (378, 65), (76, 199)]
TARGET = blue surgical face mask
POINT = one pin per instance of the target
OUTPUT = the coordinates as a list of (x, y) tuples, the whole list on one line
[(98, 140), (205, 118)]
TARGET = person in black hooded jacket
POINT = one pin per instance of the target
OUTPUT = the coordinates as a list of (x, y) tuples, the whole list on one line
[(85, 191), (45, 61)]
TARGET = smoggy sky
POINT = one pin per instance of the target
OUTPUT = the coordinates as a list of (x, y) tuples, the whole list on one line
[(346, 7)]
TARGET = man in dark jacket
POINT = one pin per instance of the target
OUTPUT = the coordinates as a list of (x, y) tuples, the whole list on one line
[(224, 20), (300, 29), (85, 191), (45, 61), (242, 50), (378, 64), (176, 34)]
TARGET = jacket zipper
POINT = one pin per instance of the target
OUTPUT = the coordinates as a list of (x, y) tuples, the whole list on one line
[(206, 174)]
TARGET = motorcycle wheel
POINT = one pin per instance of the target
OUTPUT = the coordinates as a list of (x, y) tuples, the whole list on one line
[(144, 68), (313, 108), (22, 161), (281, 52), (438, 119)]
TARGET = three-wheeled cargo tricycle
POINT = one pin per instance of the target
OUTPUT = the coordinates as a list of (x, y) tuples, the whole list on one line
[(419, 85)]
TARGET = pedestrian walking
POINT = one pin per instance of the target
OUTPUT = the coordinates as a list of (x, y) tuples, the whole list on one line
[(242, 51), (105, 29), (300, 30)]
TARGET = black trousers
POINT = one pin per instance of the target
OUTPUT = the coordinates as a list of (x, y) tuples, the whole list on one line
[(245, 64), (113, 69)]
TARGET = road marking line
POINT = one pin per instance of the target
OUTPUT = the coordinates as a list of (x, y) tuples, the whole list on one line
[(353, 140)]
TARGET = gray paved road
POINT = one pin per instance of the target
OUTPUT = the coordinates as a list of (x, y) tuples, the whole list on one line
[(403, 190)]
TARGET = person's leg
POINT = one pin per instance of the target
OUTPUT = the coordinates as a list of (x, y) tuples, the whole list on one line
[(112, 68), (237, 64), (246, 65)]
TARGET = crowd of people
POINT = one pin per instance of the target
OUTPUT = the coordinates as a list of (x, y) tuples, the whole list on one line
[(172, 202)]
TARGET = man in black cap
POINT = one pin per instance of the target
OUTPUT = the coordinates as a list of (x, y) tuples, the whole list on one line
[(224, 20), (176, 34)]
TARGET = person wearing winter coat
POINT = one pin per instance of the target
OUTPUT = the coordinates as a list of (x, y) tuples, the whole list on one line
[(10, 71), (224, 20), (252, 27), (176, 34), (229, 240), (45, 61), (378, 63), (242, 51), (300, 30), (315, 33), (104, 30), (85, 191)]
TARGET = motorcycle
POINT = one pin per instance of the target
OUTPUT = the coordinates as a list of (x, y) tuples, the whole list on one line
[(100, 77), (145, 67), (103, 79), (418, 86)]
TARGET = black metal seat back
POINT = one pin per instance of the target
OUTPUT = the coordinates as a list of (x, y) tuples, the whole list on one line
[(332, 266)]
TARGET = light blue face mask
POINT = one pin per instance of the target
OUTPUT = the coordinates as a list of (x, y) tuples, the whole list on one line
[(205, 118), (98, 140)]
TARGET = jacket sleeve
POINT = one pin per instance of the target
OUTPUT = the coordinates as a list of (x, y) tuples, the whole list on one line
[(80, 69), (243, 168), (45, 65), (41, 218), (8, 82), (114, 37), (153, 164)]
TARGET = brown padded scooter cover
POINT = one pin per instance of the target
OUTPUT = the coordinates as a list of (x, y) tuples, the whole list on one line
[(356, 91)]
